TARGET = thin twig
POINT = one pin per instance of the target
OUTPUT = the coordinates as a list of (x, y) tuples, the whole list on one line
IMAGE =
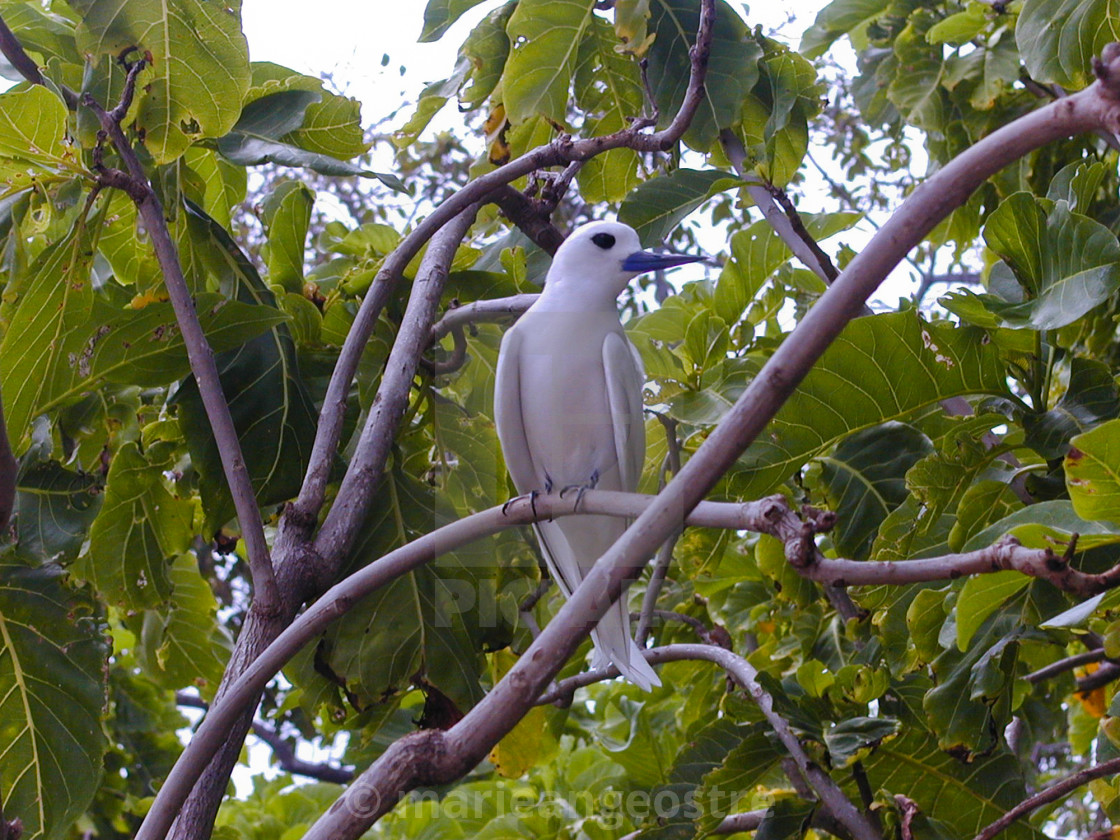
[(201, 356), (1108, 672), (1057, 791), (286, 757), (495, 310), (1055, 669)]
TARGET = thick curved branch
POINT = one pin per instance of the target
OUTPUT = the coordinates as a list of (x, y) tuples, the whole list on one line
[(135, 182), (340, 598), (447, 755), (366, 465), (1057, 791), (351, 815), (303, 511)]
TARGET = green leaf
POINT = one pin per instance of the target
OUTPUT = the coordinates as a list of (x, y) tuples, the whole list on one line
[(837, 19), (659, 205), (286, 216), (981, 596), (439, 15), (45, 335), (1090, 398), (258, 137), (980, 505), (183, 645), (1075, 616), (1047, 525), (142, 528), (757, 252), (271, 406), (732, 66), (199, 72), (1093, 473), (1067, 263), (52, 691), (413, 627), (967, 797), (741, 770), (545, 37), (33, 141), (54, 510), (883, 367), (62, 340), (1058, 39), (864, 480), (851, 740), (608, 89), (332, 127)]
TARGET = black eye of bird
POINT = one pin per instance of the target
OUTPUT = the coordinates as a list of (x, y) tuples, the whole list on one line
[(603, 240)]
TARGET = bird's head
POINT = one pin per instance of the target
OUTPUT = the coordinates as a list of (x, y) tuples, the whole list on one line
[(605, 256)]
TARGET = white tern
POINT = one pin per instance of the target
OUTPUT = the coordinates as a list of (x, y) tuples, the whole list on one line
[(568, 408)]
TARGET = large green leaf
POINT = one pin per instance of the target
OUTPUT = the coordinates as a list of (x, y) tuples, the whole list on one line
[(332, 127), (63, 340), (1093, 473), (732, 66), (266, 127), (1048, 525), (658, 205), (55, 508), (1091, 397), (881, 368), (182, 645), (411, 630), (1059, 38), (864, 480), (199, 72), (271, 406), (33, 139), (1067, 263), (545, 38), (966, 797), (439, 15), (608, 89), (287, 214), (142, 528), (837, 19), (52, 690)]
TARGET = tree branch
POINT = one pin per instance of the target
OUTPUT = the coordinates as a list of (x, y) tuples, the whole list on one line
[(340, 598), (1058, 790), (364, 473), (135, 183), (796, 238), (531, 217), (352, 814), (1055, 669)]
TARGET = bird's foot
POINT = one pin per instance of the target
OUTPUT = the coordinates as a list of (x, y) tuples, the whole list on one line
[(531, 496), (581, 488)]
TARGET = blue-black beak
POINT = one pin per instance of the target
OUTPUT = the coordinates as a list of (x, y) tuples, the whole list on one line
[(644, 261)]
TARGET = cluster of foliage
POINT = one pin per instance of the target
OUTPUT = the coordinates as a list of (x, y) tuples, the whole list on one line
[(122, 576)]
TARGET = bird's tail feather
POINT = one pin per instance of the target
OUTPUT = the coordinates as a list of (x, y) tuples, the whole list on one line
[(562, 543), (612, 642)]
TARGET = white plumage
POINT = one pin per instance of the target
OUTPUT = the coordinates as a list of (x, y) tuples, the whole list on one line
[(568, 407)]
